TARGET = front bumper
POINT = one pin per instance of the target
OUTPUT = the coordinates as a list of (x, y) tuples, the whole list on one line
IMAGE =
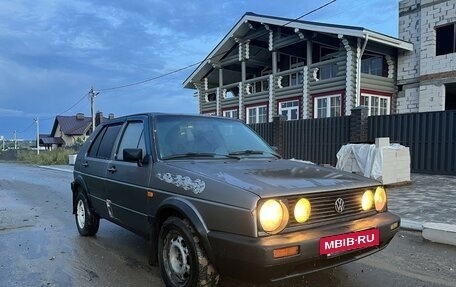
[(251, 259)]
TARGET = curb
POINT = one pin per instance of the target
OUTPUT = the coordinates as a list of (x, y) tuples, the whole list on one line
[(411, 225), (56, 168), (440, 233), (434, 232)]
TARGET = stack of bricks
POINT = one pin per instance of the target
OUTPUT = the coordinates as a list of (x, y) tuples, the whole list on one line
[(395, 162)]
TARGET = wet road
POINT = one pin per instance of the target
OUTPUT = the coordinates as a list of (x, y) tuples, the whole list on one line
[(40, 246)]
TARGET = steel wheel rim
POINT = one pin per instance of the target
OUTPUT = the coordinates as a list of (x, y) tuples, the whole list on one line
[(80, 212), (177, 259)]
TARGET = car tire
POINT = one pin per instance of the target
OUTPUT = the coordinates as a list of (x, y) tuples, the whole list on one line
[(181, 258), (86, 221)]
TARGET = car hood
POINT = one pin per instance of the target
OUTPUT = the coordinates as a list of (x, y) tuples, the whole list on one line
[(267, 178)]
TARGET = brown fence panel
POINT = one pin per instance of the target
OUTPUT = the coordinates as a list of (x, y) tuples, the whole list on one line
[(430, 136), (316, 140), (265, 130)]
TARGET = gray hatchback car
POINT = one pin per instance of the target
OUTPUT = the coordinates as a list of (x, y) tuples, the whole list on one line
[(213, 198)]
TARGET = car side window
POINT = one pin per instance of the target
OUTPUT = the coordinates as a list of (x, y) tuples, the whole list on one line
[(104, 143), (96, 144), (133, 137)]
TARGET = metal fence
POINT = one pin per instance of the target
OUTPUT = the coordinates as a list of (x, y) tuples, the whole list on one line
[(317, 140), (430, 136), (265, 130)]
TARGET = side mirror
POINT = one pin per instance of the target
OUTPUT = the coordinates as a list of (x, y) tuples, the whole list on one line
[(133, 155)]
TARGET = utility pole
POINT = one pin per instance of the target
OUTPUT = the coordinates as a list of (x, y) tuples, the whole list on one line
[(92, 95), (37, 121), (15, 139)]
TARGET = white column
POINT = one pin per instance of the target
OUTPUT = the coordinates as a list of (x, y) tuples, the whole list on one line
[(271, 97), (358, 72), (198, 95), (218, 103), (350, 77), (219, 93), (305, 93), (241, 102)]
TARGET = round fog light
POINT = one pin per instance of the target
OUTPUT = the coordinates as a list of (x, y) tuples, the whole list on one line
[(302, 210), (367, 202), (380, 198)]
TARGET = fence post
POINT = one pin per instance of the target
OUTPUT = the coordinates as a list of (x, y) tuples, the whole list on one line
[(359, 124), (277, 133)]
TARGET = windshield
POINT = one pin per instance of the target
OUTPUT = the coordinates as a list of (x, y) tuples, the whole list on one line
[(192, 136)]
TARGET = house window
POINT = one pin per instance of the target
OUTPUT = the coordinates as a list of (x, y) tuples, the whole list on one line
[(257, 115), (327, 106), (445, 39), (450, 96), (372, 65), (231, 114), (211, 97), (296, 78), (289, 109), (377, 105), (328, 71)]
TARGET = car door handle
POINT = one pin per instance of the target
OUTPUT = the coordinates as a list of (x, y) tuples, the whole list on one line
[(85, 164), (112, 169)]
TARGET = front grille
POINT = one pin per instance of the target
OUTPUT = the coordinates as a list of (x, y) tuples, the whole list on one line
[(323, 207)]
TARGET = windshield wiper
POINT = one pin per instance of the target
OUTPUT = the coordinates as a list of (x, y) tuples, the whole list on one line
[(198, 154), (189, 154), (249, 152)]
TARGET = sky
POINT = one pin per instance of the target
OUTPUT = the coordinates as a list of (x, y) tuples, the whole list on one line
[(53, 51)]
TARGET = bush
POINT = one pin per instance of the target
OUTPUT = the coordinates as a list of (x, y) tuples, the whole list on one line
[(46, 157)]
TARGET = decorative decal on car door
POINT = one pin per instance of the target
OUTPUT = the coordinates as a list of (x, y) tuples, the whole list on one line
[(196, 186)]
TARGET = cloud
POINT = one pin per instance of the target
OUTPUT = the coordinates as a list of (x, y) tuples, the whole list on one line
[(11, 113), (53, 51)]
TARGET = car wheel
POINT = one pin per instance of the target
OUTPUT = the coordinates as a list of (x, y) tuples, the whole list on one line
[(86, 221), (182, 260)]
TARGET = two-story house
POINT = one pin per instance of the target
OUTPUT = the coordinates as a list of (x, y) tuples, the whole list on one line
[(267, 66)]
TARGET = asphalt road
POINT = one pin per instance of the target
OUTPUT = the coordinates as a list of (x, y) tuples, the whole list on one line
[(40, 246)]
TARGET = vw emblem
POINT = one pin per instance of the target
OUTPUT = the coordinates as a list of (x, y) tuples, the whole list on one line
[(339, 205)]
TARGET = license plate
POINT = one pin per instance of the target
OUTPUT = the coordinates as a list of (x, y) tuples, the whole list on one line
[(349, 241)]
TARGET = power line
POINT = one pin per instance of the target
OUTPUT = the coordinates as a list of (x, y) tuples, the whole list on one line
[(74, 105), (26, 129), (51, 118), (218, 54), (151, 79)]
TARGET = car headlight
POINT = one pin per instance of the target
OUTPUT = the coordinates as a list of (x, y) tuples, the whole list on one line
[(380, 198), (367, 202), (302, 210), (273, 216)]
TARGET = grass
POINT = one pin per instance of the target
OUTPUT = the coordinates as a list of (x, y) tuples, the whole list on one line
[(46, 157)]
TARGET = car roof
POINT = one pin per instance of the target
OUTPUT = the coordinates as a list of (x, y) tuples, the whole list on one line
[(155, 114)]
